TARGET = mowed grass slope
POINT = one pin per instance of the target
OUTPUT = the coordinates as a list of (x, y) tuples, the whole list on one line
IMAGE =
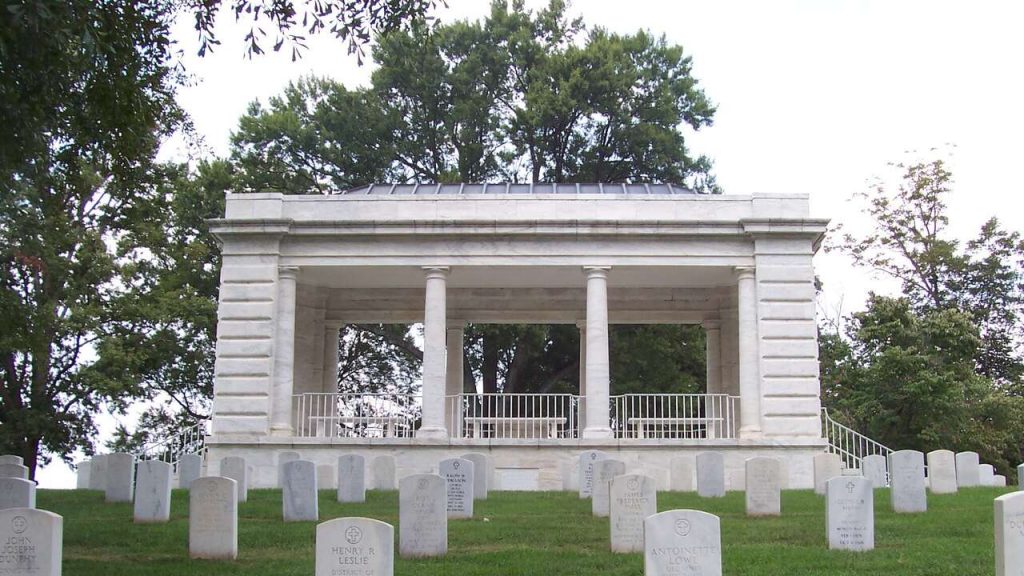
[(537, 534)]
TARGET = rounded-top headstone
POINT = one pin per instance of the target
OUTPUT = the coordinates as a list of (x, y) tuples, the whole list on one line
[(942, 472), (422, 516), (875, 469), (850, 513), (826, 467), (351, 478), (153, 492), (600, 496), (710, 474), (459, 476), (213, 518), (82, 479), (120, 477), (763, 486), (234, 467), (586, 471), (908, 491), (633, 498), (481, 474), (682, 543), (282, 459), (356, 547), (190, 467), (32, 541), (299, 497), (967, 472), (98, 474), (384, 472), (1009, 534), (17, 493)]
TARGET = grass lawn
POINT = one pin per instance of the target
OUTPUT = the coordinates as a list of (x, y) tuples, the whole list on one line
[(538, 534)]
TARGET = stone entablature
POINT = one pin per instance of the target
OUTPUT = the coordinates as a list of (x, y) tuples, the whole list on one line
[(296, 268)]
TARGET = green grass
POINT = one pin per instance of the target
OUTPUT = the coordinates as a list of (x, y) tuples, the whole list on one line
[(537, 534)]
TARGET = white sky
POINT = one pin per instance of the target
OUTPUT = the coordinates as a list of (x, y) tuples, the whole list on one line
[(813, 97)]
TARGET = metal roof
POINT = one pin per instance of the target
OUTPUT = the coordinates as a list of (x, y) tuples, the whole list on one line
[(502, 188)]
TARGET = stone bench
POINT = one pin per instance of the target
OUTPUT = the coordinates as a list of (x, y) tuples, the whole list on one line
[(516, 427), (638, 425), (391, 424)]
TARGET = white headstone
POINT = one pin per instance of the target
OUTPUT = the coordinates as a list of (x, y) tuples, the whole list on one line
[(213, 518), (13, 471), (763, 487), (153, 492), (681, 474), (682, 543), (967, 469), (571, 475), (351, 478), (908, 492), (17, 493), (481, 474), (98, 474), (234, 467), (710, 474), (383, 472), (422, 516), (942, 472), (874, 468), (120, 477), (586, 471), (282, 459), (458, 474), (600, 495), (850, 513), (633, 498), (33, 542), (986, 475), (299, 502), (1009, 534), (355, 547), (999, 481), (826, 467), (190, 467), (325, 479), (11, 459), (82, 477)]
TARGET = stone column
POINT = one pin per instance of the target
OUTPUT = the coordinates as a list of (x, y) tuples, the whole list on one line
[(714, 408), (434, 334), (581, 409), (453, 378), (284, 354), (749, 358), (330, 382), (597, 376)]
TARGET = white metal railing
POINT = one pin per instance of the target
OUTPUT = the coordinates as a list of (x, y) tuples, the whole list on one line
[(170, 449), (674, 416), (850, 445), (512, 415), (380, 415)]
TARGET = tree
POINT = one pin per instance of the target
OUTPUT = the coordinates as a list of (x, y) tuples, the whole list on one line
[(984, 278), (521, 96)]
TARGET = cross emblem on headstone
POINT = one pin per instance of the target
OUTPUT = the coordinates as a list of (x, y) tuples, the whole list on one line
[(850, 486)]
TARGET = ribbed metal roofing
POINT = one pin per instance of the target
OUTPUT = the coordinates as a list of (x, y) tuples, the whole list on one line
[(509, 188)]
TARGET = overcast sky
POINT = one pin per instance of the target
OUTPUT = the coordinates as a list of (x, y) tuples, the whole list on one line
[(813, 97)]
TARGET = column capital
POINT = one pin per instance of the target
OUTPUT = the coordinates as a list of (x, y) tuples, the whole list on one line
[(597, 271), (744, 272), (436, 271), (288, 272), (581, 324)]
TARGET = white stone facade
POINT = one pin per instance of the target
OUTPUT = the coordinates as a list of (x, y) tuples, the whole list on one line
[(297, 268)]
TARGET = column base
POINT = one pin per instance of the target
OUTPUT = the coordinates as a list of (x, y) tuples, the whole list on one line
[(432, 433), (282, 431), (751, 434), (597, 433)]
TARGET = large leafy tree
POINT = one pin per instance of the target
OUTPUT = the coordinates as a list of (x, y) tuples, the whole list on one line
[(86, 95), (520, 96), (939, 367)]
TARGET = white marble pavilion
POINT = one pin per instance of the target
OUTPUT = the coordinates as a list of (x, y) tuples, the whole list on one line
[(298, 268)]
